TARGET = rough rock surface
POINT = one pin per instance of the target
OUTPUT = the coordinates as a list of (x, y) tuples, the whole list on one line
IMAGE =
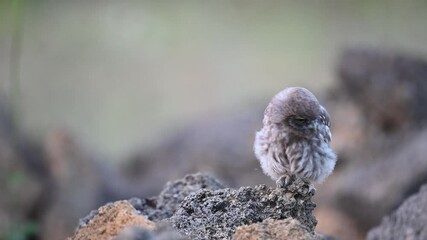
[(174, 192), (409, 221), (216, 214), (271, 229), (408, 168), (110, 220), (200, 208)]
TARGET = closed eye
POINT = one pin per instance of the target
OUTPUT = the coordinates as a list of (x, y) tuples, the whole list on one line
[(300, 121)]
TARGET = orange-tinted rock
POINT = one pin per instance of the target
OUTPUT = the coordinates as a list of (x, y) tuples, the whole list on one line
[(110, 221)]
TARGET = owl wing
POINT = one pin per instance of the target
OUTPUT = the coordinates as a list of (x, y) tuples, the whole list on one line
[(326, 122)]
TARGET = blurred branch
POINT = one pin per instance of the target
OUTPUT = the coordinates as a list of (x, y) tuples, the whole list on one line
[(15, 63)]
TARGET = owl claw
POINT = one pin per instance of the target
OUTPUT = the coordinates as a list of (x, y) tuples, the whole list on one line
[(284, 181)]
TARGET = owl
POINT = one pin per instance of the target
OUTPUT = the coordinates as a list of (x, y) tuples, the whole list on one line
[(294, 139)]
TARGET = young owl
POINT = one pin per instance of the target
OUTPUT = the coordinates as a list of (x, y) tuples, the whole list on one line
[(294, 139)]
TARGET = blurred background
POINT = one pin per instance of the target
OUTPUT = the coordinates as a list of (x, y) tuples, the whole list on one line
[(105, 100)]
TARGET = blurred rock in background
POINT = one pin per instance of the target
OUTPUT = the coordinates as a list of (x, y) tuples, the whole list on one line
[(82, 181), (381, 133), (221, 146), (373, 189), (407, 222), (390, 88), (25, 181)]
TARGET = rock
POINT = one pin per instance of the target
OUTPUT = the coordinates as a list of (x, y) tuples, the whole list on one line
[(175, 192), (148, 208), (136, 233), (375, 188), (110, 221), (165, 205), (162, 231), (389, 87), (407, 222), (271, 229), (215, 214), (85, 220), (200, 208)]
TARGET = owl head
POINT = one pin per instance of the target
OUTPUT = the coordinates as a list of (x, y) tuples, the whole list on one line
[(296, 110)]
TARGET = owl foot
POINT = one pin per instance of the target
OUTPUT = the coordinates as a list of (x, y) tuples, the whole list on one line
[(284, 181)]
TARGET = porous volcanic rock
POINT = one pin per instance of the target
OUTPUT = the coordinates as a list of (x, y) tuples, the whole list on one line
[(174, 192), (271, 229), (215, 214), (407, 222)]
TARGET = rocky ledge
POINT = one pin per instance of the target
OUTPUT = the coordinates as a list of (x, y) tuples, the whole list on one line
[(199, 207)]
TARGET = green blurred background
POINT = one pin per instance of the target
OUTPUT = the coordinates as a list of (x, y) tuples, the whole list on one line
[(122, 74)]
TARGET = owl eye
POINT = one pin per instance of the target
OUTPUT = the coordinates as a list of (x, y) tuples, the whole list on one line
[(300, 121)]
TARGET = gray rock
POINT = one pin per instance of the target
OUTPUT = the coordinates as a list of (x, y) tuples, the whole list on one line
[(215, 214), (175, 192), (409, 221), (165, 205), (136, 233), (163, 231), (85, 220), (148, 208)]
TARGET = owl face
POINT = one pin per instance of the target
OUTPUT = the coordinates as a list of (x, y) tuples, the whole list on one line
[(297, 111), (302, 126), (305, 126)]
